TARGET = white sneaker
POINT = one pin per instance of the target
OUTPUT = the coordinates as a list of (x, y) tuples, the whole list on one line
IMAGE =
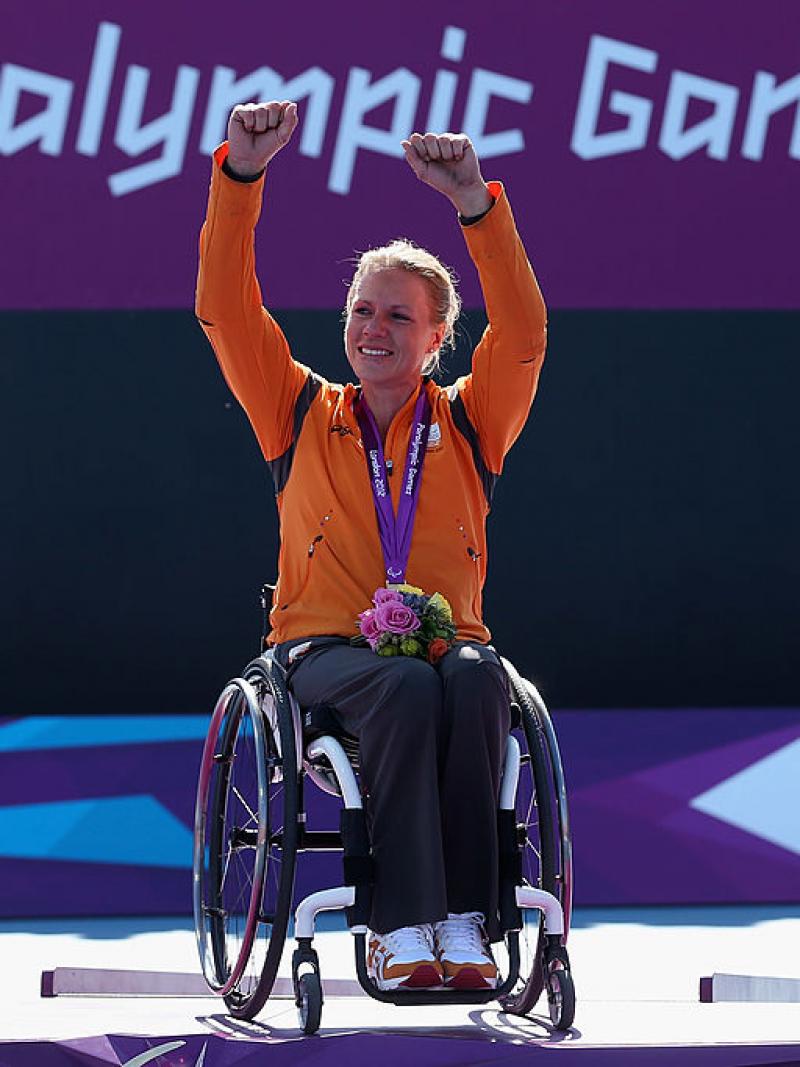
[(404, 958), (463, 950)]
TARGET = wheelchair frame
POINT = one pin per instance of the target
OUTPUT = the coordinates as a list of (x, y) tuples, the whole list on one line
[(250, 823)]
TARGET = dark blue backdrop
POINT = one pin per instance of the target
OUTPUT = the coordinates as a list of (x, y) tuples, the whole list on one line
[(644, 540)]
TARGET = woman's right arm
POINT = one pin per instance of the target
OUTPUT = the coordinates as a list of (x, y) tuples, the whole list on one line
[(250, 346)]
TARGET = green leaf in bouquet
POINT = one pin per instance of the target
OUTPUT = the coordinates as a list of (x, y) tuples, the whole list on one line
[(411, 646)]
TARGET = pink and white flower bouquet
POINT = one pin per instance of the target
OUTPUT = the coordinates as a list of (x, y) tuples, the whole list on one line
[(403, 621)]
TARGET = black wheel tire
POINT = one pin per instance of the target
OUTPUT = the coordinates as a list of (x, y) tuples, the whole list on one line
[(309, 1001), (543, 857), (561, 998), (246, 838), (564, 874), (227, 809), (268, 679)]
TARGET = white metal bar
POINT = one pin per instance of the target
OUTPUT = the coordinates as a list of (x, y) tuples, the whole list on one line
[(99, 982), (342, 896), (747, 987), (528, 897), (333, 751), (321, 780)]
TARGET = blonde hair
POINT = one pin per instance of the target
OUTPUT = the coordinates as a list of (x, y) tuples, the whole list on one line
[(440, 281)]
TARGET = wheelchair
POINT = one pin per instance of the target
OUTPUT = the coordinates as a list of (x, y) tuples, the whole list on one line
[(261, 753)]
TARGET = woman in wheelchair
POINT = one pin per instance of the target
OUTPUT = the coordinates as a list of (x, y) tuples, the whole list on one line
[(381, 484)]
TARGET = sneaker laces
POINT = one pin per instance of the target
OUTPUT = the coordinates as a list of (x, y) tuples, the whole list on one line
[(464, 931), (408, 939)]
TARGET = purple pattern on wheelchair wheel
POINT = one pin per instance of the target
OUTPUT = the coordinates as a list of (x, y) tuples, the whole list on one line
[(389, 1049), (653, 794)]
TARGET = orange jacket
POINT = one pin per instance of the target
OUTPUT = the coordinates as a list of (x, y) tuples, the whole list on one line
[(330, 559)]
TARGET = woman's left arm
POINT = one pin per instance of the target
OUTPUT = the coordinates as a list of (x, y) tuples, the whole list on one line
[(506, 363), (498, 394)]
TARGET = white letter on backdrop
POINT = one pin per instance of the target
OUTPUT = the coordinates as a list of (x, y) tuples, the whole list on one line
[(266, 84), (768, 97), (586, 141), (360, 98), (484, 85), (98, 87), (714, 132), (440, 112), (171, 130), (47, 126)]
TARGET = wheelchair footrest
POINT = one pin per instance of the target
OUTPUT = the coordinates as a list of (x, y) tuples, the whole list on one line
[(433, 997), (417, 997)]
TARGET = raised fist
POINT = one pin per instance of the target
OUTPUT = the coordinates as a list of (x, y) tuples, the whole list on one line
[(256, 132), (448, 163)]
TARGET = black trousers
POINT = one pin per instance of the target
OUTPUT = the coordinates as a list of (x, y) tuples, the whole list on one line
[(431, 748)]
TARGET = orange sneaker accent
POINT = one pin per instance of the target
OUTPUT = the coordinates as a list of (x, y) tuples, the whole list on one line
[(468, 976), (404, 958), (464, 952)]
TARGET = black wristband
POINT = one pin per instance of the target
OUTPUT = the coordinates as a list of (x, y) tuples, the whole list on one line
[(240, 177), (470, 220)]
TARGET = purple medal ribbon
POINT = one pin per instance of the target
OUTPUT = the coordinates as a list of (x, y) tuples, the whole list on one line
[(395, 532)]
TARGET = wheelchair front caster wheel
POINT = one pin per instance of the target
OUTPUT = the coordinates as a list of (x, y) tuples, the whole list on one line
[(309, 1001), (561, 998)]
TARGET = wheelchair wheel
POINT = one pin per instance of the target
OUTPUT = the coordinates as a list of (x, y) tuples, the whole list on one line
[(547, 852), (246, 838), (561, 998), (309, 1002)]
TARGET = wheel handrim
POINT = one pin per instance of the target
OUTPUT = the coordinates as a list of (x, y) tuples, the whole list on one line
[(532, 932), (261, 950), (542, 858), (229, 860)]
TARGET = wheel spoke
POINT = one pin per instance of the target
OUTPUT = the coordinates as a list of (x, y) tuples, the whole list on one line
[(246, 883), (529, 847), (245, 805), (225, 870)]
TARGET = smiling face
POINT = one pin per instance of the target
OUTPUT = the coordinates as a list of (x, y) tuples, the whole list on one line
[(389, 333)]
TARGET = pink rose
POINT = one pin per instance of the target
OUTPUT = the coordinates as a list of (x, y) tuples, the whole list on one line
[(387, 596), (369, 626), (396, 617)]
